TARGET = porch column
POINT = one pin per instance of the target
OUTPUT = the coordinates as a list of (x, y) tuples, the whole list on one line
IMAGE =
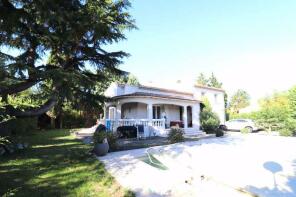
[(195, 116), (185, 117), (150, 112), (105, 112), (118, 111)]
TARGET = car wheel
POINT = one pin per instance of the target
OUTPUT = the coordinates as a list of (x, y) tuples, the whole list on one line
[(250, 129)]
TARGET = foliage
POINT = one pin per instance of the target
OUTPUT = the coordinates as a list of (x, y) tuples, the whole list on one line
[(176, 135), (212, 81), (219, 132), (129, 193), (202, 80), (276, 113), (287, 132), (112, 141), (206, 103), (99, 137), (58, 51), (129, 79), (208, 119), (292, 101), (239, 100), (56, 165), (21, 126), (245, 130)]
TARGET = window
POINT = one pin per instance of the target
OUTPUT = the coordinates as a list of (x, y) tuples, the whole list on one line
[(216, 98)]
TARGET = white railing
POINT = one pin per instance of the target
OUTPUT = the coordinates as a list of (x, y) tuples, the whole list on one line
[(156, 123)]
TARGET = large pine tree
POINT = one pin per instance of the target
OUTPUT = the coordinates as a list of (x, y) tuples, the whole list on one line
[(58, 48)]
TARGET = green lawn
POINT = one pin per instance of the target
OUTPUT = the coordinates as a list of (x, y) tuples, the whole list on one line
[(56, 165)]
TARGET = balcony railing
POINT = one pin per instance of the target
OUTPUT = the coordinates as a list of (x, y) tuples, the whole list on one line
[(155, 123)]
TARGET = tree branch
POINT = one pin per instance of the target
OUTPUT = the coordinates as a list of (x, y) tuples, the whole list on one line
[(17, 87), (10, 110)]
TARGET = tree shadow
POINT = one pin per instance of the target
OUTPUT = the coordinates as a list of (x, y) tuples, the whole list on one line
[(276, 191), (51, 167)]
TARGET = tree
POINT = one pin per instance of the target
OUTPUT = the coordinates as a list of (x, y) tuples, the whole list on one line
[(239, 100), (292, 101), (133, 80), (129, 79), (208, 119), (202, 80), (213, 82), (275, 110), (60, 50)]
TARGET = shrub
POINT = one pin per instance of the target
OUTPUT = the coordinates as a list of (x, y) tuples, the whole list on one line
[(219, 132), (99, 137), (100, 134), (101, 128), (290, 124), (112, 140), (21, 126), (176, 135), (286, 132), (209, 121), (245, 131)]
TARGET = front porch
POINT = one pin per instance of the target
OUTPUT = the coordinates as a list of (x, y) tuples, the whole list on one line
[(155, 115)]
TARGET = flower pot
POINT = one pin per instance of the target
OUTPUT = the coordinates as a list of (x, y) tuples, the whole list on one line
[(101, 149)]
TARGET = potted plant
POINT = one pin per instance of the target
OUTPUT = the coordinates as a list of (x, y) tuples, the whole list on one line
[(101, 146)]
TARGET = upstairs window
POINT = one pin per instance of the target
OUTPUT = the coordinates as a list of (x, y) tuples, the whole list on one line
[(216, 98)]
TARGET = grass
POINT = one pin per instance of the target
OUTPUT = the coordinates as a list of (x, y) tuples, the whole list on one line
[(56, 164)]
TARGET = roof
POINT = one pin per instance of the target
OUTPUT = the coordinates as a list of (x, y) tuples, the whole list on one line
[(209, 88), (165, 90), (152, 95), (161, 89)]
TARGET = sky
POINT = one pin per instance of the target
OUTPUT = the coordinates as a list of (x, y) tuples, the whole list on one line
[(249, 45)]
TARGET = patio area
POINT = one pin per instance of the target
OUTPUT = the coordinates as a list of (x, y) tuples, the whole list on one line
[(236, 165), (134, 143)]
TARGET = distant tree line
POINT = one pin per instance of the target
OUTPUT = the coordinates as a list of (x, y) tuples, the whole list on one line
[(276, 112)]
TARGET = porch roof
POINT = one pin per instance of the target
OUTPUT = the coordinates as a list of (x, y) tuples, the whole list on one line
[(152, 95)]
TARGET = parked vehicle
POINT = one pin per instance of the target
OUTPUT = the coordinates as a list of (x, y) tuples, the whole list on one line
[(238, 124)]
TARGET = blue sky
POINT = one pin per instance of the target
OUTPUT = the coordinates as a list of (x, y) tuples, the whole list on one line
[(248, 44)]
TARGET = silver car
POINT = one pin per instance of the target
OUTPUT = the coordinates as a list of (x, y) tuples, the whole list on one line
[(239, 124)]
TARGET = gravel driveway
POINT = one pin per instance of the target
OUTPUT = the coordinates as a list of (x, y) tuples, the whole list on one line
[(235, 165)]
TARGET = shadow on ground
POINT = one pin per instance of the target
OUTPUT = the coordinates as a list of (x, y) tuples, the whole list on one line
[(55, 165), (290, 185)]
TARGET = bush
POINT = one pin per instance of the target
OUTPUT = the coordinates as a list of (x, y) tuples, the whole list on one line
[(290, 124), (20, 126), (245, 130), (219, 132), (112, 141), (99, 137), (209, 121), (101, 128), (175, 135), (286, 132), (72, 120)]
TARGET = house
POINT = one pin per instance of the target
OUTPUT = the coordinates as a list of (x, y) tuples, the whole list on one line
[(157, 109)]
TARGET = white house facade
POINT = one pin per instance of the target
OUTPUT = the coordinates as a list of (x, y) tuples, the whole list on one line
[(157, 109)]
